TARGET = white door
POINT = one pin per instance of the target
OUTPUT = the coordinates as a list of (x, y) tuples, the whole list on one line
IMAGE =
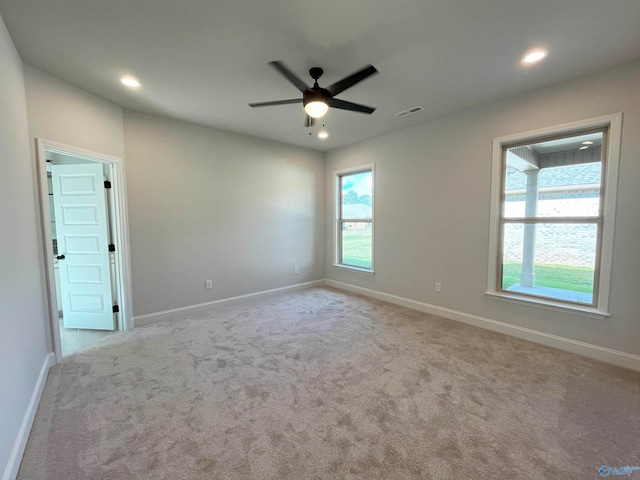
[(83, 250)]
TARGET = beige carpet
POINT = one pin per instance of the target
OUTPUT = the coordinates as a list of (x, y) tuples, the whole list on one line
[(321, 384)]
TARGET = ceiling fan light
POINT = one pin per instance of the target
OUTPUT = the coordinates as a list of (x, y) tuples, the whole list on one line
[(316, 109)]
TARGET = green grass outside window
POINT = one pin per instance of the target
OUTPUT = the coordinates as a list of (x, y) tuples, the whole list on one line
[(564, 277), (356, 248)]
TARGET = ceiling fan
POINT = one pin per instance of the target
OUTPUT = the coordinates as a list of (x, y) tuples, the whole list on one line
[(317, 100)]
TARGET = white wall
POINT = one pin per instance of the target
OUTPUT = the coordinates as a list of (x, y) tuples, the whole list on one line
[(432, 207), (208, 204), (23, 342)]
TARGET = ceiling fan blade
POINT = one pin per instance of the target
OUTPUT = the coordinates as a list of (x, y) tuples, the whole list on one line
[(351, 80), (277, 102), (309, 121), (289, 75), (354, 107)]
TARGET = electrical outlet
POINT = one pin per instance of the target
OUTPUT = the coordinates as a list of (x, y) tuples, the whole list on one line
[(438, 287), (208, 284), (296, 270)]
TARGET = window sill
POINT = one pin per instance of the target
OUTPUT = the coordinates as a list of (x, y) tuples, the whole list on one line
[(549, 305), (355, 269)]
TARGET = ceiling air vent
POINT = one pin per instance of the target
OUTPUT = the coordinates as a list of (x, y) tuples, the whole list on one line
[(410, 111)]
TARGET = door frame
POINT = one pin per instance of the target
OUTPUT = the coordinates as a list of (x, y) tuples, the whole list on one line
[(120, 234)]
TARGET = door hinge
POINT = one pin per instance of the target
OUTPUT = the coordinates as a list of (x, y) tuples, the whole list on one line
[(116, 309), (107, 184), (112, 247)]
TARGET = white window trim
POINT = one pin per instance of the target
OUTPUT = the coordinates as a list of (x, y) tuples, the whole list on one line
[(337, 174), (614, 124)]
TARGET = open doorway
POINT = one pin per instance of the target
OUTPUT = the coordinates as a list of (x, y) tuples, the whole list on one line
[(85, 244)]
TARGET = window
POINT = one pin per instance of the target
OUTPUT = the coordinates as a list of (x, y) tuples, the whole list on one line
[(354, 218), (553, 199)]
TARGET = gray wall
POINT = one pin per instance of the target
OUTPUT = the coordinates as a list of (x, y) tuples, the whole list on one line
[(203, 203), (63, 113), (23, 342), (207, 204), (432, 207)]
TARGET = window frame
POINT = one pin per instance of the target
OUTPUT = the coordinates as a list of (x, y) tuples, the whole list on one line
[(339, 220), (604, 247)]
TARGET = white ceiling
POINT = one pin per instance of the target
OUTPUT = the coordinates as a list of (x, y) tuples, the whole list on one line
[(205, 60)]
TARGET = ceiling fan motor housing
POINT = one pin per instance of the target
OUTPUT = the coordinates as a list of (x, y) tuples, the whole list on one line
[(315, 94)]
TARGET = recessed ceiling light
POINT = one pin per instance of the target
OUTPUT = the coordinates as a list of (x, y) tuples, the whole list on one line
[(534, 56), (323, 135), (129, 81), (583, 148), (587, 142)]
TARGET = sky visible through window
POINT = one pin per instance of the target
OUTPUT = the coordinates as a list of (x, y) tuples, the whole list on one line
[(360, 183)]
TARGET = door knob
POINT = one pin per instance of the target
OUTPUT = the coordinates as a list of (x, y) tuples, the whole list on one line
[(60, 257)]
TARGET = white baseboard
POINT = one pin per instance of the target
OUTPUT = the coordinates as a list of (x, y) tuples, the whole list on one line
[(608, 355), (13, 465), (202, 307)]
